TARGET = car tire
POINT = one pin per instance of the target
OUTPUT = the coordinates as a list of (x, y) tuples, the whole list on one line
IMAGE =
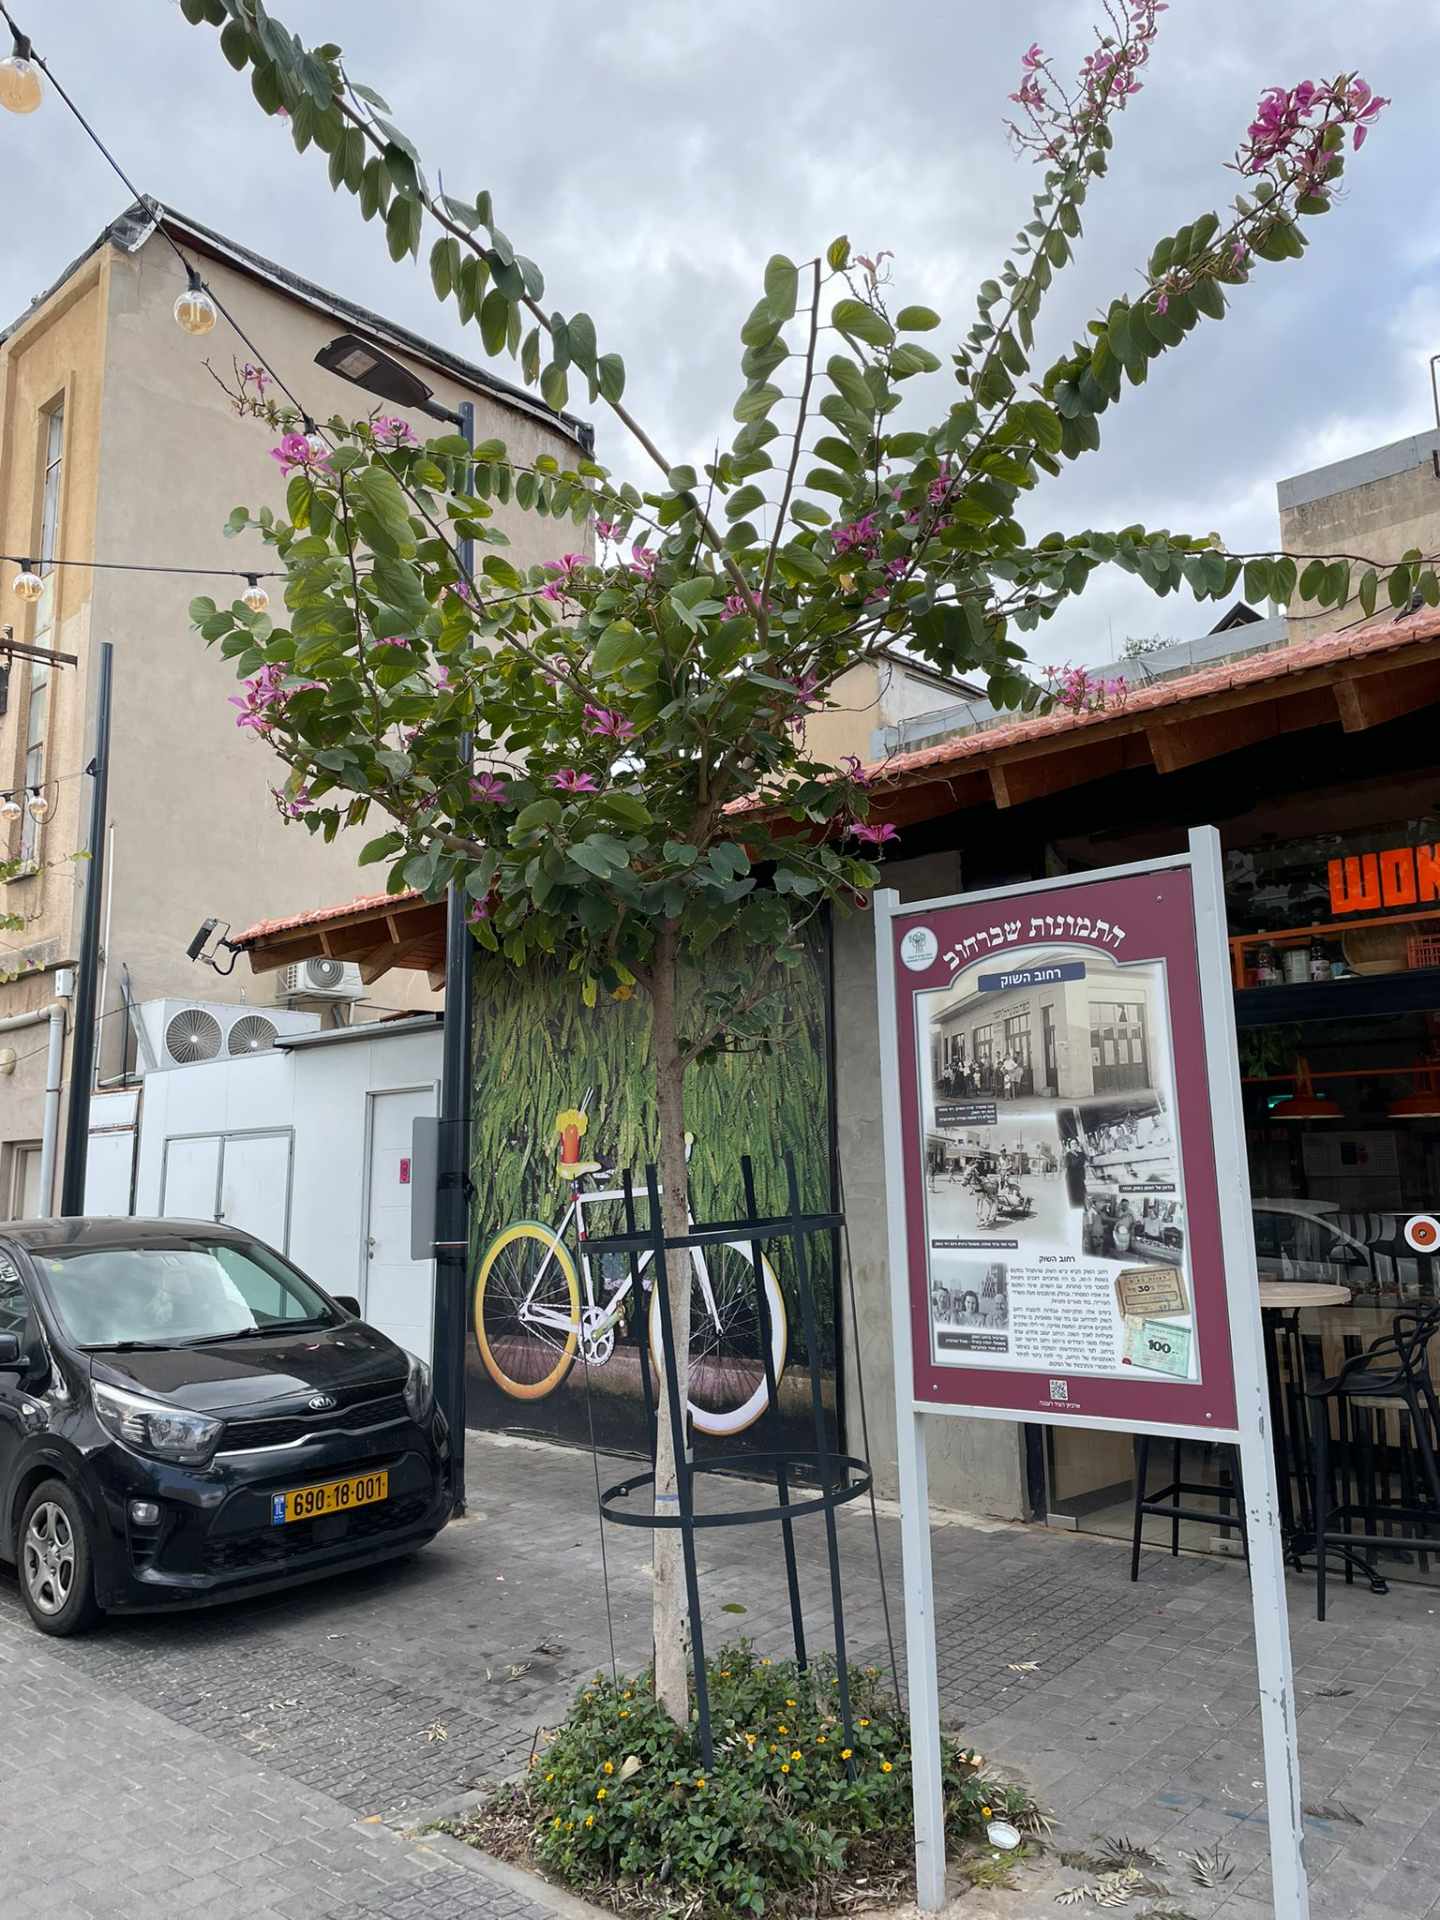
[(55, 1561)]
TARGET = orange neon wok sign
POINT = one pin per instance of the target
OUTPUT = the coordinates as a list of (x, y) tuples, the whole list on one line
[(1399, 877)]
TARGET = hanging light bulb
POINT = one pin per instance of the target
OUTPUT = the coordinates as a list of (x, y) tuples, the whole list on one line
[(255, 596), (9, 808), (27, 584), (38, 804), (194, 309), (20, 89)]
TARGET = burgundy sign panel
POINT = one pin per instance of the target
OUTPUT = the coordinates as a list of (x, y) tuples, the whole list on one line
[(1062, 1212)]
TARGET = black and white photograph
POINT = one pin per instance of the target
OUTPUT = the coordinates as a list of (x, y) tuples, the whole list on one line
[(969, 1308)]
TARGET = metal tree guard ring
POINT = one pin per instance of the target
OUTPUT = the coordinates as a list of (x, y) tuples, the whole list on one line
[(846, 1463)]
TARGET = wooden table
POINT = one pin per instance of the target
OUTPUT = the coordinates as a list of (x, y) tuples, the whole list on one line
[(1287, 1295)]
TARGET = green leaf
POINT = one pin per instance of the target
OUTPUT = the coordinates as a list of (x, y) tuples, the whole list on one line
[(235, 45), (494, 321), (910, 359), (1369, 587), (539, 813), (530, 357), (202, 608), (1312, 580), (782, 285), (1258, 582), (495, 567), (582, 342), (610, 377), (756, 401), (916, 320), (402, 227), (838, 253), (445, 266), (839, 453), (380, 491), (617, 646), (853, 317), (743, 502), (380, 849), (554, 387)]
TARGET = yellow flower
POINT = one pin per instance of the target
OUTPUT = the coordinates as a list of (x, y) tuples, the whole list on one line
[(784, 1766), (773, 1747), (556, 1822), (874, 1672), (700, 1783), (845, 1752), (789, 1703), (624, 1713), (864, 1723), (985, 1813), (749, 1739), (589, 1819), (609, 1767), (600, 1792), (548, 1778), (628, 1696), (885, 1767), (781, 1727), (765, 1663), (795, 1753), (820, 1739), (724, 1673)]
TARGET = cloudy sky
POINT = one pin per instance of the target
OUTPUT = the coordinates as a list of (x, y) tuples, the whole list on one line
[(651, 154)]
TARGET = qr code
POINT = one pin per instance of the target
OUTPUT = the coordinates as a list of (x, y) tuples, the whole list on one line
[(1059, 1389)]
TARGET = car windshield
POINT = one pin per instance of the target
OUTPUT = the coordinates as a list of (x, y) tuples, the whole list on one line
[(176, 1291)]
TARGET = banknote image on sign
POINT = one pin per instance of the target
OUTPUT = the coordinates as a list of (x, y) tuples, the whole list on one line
[(1054, 1197)]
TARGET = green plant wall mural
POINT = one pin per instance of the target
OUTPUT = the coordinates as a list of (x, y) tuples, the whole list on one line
[(540, 1050)]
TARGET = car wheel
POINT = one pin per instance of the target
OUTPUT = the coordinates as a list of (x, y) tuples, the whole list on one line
[(56, 1561)]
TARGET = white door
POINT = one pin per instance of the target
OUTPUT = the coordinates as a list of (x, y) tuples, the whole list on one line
[(190, 1183), (399, 1293), (255, 1186), (109, 1169)]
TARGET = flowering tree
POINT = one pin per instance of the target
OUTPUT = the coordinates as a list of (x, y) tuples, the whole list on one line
[(608, 753)]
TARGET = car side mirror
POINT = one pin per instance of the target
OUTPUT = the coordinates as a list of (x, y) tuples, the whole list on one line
[(12, 1357), (348, 1302)]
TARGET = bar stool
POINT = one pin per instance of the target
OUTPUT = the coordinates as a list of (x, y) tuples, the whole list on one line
[(1167, 1500), (1391, 1376)]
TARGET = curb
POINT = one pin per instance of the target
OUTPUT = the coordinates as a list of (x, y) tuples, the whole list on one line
[(518, 1879)]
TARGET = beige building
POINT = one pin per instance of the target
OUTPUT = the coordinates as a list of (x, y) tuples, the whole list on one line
[(1380, 505), (117, 444)]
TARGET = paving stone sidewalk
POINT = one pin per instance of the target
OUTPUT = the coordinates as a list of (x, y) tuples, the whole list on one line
[(271, 1762)]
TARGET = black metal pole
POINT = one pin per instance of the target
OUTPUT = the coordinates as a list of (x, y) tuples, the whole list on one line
[(452, 1202), (82, 1039)]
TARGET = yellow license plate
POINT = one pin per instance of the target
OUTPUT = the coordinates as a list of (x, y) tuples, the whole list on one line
[(332, 1496)]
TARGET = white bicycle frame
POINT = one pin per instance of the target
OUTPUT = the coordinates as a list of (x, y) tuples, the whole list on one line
[(561, 1323)]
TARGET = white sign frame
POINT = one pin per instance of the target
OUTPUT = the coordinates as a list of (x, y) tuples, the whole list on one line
[(1254, 1437)]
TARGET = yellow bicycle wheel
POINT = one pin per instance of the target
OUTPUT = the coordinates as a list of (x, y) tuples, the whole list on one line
[(526, 1278)]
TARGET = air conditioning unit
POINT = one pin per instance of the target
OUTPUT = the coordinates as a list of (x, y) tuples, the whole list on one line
[(320, 979), (188, 1033)]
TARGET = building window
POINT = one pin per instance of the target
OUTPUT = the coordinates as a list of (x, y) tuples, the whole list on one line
[(23, 1197), (37, 708)]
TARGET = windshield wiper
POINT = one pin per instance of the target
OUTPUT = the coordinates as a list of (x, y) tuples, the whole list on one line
[(129, 1346), (256, 1333)]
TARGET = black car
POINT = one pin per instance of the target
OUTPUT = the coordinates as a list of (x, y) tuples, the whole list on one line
[(184, 1417)]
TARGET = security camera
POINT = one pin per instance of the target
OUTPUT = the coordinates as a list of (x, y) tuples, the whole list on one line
[(198, 944)]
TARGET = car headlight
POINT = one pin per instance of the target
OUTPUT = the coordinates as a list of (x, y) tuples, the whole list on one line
[(419, 1391), (149, 1426)]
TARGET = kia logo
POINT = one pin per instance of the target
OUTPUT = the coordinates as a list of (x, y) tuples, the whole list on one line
[(320, 1402)]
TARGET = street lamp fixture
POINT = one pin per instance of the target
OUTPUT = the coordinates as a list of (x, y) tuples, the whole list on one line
[(367, 366), (20, 89)]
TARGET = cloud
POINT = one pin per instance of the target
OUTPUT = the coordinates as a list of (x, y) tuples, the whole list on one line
[(652, 155)]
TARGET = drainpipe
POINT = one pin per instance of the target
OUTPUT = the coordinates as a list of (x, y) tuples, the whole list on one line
[(54, 1013)]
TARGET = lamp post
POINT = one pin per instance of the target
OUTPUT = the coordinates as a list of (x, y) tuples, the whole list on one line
[(367, 366), (82, 1041)]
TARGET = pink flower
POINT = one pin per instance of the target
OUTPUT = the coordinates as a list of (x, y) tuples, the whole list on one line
[(874, 836), (393, 640), (1162, 302), (642, 560), (853, 771), (462, 590), (562, 572), (569, 781), (264, 699), (1032, 57), (856, 536), (607, 529), (442, 678), (393, 430), (480, 910), (292, 806), (484, 786), (297, 452), (737, 604), (612, 726), (255, 377)]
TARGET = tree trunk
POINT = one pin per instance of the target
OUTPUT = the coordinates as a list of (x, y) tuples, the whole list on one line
[(671, 1626)]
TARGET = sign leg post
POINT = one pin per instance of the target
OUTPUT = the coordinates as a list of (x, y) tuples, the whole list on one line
[(922, 1677), (1290, 1896)]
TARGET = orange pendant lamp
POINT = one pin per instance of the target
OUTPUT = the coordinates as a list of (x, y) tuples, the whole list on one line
[(1305, 1103)]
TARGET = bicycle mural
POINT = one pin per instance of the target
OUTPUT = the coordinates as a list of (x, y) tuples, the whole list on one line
[(557, 1116)]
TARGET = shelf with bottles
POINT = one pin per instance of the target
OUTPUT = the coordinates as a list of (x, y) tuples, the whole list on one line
[(1336, 950)]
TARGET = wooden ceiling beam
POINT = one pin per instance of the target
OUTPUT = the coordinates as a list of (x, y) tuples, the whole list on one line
[(1378, 697), (1032, 777), (1206, 737)]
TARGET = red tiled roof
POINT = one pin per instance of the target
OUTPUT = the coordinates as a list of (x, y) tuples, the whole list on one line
[(366, 903), (1386, 634)]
